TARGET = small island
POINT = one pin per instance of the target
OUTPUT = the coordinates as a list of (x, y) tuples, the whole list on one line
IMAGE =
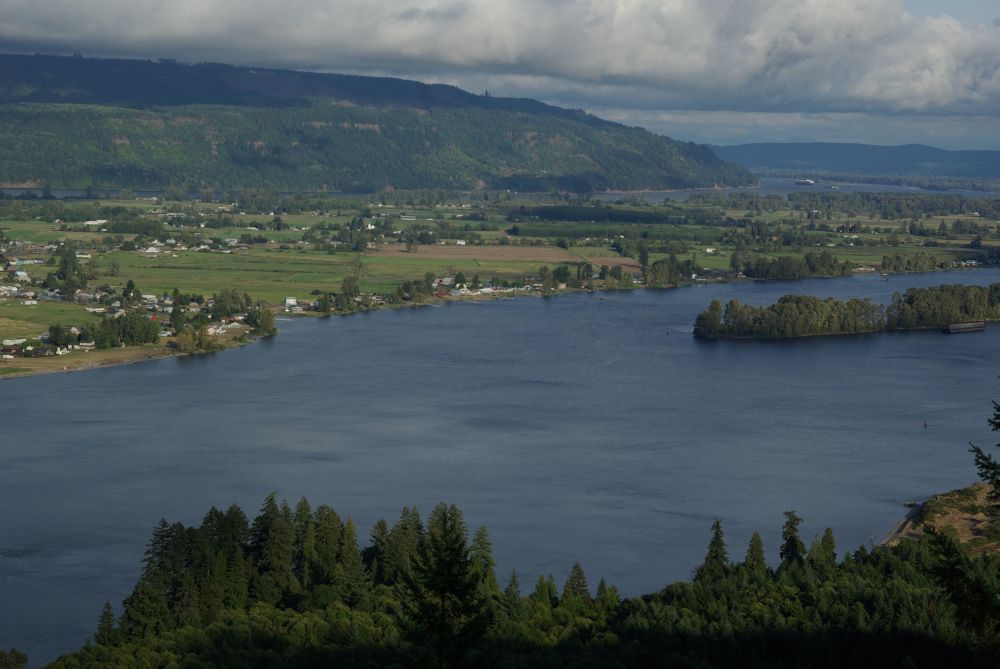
[(794, 316)]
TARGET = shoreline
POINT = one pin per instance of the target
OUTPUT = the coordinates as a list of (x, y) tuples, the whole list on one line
[(130, 357), (101, 359), (963, 511)]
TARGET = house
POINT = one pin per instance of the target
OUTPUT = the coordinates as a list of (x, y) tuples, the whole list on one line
[(21, 276)]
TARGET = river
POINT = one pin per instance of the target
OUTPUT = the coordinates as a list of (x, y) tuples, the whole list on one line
[(582, 427), (782, 186)]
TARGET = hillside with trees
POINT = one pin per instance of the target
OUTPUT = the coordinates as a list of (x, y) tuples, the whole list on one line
[(102, 123)]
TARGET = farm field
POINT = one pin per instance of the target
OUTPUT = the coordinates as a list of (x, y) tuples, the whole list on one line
[(305, 248)]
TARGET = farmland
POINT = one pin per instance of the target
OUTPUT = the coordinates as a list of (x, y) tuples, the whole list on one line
[(304, 247)]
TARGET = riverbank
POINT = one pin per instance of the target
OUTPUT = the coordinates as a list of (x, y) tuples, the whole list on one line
[(79, 361), (961, 511)]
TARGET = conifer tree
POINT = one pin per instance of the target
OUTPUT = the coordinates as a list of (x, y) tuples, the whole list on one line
[(376, 553), (755, 559), (483, 564), (404, 541), (511, 605), (305, 544), (716, 560), (329, 529), (576, 586), (545, 592), (607, 599), (106, 634), (822, 556), (271, 549), (145, 611), (446, 612), (352, 579), (792, 548)]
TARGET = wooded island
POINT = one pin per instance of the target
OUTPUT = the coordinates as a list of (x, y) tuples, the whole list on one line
[(807, 316)]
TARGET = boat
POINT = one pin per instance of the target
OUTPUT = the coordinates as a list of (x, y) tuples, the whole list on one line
[(804, 182), (966, 326)]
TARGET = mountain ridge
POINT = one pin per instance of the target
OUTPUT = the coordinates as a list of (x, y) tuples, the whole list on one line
[(81, 122)]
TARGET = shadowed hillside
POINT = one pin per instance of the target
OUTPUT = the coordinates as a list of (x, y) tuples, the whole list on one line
[(78, 122)]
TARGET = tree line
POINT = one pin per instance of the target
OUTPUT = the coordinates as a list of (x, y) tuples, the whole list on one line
[(803, 315), (292, 588)]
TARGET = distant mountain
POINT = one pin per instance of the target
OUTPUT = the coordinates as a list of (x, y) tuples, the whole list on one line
[(865, 159), (78, 122)]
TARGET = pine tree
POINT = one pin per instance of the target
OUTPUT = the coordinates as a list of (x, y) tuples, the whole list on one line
[(607, 599), (576, 586), (446, 612), (822, 556), (404, 542), (376, 553), (145, 611), (329, 529), (157, 549), (106, 634), (716, 560), (792, 548), (353, 582), (545, 592), (271, 549), (305, 544), (511, 606), (483, 564), (755, 559)]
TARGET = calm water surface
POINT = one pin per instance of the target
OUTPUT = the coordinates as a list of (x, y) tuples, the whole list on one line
[(585, 427), (782, 186)]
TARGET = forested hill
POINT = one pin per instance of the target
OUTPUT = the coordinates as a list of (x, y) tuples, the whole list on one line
[(79, 122), (865, 159)]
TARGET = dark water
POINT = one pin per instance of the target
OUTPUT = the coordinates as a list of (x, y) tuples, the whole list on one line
[(585, 427)]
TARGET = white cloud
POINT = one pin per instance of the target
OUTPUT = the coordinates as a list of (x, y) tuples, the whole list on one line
[(761, 55)]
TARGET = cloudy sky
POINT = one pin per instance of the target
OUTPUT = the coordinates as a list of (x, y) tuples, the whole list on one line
[(720, 71)]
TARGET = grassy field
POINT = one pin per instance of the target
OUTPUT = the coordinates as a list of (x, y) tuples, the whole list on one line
[(45, 231), (18, 320), (272, 274)]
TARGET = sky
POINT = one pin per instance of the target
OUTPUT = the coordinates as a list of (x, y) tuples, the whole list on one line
[(711, 71)]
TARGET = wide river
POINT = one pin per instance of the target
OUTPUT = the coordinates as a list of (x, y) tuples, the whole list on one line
[(583, 427)]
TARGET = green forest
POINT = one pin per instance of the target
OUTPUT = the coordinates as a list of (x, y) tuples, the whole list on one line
[(804, 316), (293, 589)]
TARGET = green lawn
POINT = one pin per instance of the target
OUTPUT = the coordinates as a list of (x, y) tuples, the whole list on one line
[(18, 320)]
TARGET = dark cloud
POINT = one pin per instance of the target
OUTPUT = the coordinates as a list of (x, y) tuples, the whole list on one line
[(764, 56)]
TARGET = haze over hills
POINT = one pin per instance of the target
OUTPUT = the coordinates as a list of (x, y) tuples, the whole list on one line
[(79, 122), (864, 159)]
